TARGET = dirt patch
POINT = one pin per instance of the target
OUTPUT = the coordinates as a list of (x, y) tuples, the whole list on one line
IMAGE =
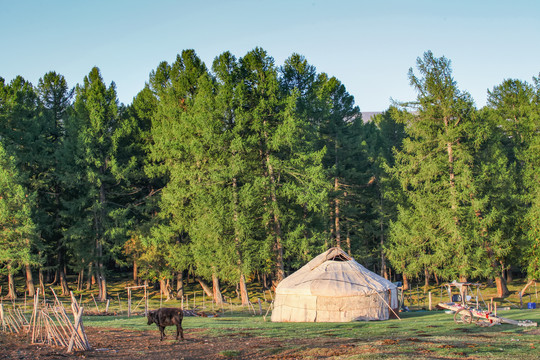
[(131, 344)]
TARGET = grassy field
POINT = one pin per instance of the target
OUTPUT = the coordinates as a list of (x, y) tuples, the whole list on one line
[(433, 334), (420, 333)]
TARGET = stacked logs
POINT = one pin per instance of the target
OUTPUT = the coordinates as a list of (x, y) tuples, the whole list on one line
[(51, 325), (12, 320)]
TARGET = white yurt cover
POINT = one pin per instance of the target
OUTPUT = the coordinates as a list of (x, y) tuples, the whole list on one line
[(333, 287)]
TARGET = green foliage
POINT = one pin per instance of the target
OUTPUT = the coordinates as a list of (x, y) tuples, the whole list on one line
[(17, 231), (458, 191), (250, 169)]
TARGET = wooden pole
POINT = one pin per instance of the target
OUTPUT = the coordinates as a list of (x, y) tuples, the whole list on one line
[(429, 294), (129, 302), (2, 316), (78, 318), (107, 306), (260, 306), (97, 308), (145, 301)]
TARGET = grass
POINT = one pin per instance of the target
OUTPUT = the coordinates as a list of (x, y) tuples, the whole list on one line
[(430, 334), (230, 353), (420, 334)]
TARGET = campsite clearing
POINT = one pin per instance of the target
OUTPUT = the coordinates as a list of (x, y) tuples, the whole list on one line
[(420, 334)]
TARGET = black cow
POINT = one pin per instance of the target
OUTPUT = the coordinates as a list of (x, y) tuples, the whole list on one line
[(167, 317)]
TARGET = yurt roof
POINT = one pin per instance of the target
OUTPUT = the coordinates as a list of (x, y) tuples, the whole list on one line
[(333, 273)]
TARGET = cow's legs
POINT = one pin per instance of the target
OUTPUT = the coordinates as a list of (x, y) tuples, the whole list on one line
[(162, 330)]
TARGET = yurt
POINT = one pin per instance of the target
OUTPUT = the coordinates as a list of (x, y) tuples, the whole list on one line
[(333, 287)]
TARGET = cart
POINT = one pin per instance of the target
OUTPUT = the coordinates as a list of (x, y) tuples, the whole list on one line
[(467, 311)]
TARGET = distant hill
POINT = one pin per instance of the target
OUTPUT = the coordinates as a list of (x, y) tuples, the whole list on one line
[(367, 115)]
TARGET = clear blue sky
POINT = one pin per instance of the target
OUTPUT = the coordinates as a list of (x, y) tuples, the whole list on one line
[(368, 45)]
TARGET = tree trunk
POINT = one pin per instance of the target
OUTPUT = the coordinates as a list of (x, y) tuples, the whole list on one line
[(63, 283), (509, 275), (405, 282), (205, 287), (135, 273), (99, 233), (12, 293), (41, 281), (55, 280), (336, 214), (451, 176), (80, 280), (218, 298), (348, 240), (164, 288), (239, 262), (383, 257), (243, 290), (265, 280), (278, 245), (179, 285), (426, 280), (29, 280), (502, 290), (89, 280)]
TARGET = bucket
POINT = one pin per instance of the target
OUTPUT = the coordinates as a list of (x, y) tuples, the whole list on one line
[(531, 305)]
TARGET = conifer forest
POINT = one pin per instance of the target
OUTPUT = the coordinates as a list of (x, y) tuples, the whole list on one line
[(243, 170)]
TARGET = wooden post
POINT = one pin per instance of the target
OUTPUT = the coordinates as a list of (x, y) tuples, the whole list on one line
[(34, 312), (129, 302), (78, 318), (429, 294), (107, 306), (260, 306), (520, 300), (2, 315), (495, 309), (95, 302), (145, 301)]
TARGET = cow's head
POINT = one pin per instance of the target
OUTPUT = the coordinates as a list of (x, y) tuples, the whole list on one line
[(151, 317)]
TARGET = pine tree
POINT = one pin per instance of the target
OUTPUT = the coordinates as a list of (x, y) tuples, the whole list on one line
[(55, 100), (94, 178), (430, 234), (514, 107), (17, 230), (22, 132)]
